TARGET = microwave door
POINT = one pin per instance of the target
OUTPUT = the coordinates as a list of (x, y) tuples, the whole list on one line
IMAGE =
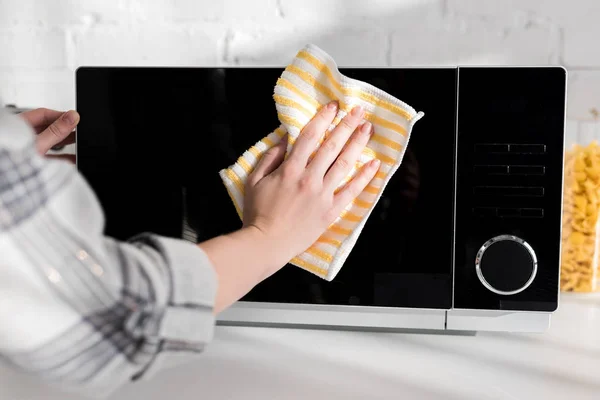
[(155, 168)]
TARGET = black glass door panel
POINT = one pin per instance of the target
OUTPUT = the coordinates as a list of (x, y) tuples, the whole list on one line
[(152, 140)]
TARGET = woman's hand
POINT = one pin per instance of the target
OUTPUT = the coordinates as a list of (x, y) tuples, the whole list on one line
[(292, 202), (52, 128)]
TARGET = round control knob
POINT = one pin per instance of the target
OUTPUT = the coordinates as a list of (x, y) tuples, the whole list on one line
[(506, 265)]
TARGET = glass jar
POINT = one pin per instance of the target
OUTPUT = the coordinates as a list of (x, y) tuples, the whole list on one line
[(581, 228)]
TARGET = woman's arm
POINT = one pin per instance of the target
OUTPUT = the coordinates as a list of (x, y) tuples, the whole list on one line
[(92, 313), (79, 308)]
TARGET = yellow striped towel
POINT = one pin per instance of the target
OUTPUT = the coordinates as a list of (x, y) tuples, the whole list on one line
[(309, 82)]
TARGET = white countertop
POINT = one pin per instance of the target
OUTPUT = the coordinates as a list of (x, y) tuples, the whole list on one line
[(270, 363)]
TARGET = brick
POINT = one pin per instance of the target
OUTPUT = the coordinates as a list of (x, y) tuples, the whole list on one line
[(58, 12), (32, 48), (344, 12), (38, 88), (555, 10), (8, 89), (194, 10), (474, 42), (583, 94), (571, 133), (581, 45), (349, 47), (145, 46), (577, 21), (552, 10), (589, 131), (389, 14)]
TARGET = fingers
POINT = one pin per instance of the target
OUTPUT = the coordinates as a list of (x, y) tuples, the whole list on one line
[(330, 150), (269, 162), (312, 132), (355, 186), (40, 118), (57, 131), (347, 159), (69, 139)]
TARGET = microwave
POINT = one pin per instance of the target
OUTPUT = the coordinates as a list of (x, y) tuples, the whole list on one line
[(466, 236)]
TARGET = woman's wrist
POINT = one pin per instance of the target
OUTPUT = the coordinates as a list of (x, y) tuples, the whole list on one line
[(242, 259), (272, 252)]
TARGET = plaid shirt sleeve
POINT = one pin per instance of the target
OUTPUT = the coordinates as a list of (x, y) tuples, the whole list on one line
[(78, 308)]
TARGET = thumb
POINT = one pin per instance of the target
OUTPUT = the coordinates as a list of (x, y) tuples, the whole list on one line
[(269, 162), (56, 132)]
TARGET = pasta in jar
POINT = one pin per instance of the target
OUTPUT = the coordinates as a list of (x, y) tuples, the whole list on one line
[(581, 231)]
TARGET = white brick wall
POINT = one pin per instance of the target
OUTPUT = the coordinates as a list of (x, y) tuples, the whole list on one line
[(160, 44), (43, 41)]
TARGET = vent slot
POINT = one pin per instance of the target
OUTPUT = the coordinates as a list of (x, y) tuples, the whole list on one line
[(519, 191), (526, 169), (510, 148), (489, 212), (510, 170), (509, 180)]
